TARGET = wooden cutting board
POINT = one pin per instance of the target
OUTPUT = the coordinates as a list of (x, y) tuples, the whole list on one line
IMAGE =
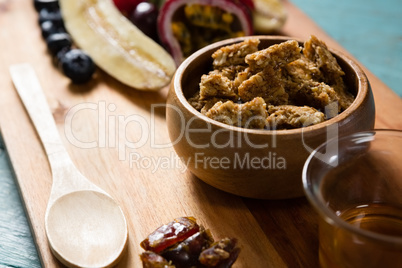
[(99, 122)]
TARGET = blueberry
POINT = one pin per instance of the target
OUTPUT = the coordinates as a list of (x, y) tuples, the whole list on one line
[(57, 41), (59, 56), (48, 4), (77, 65), (50, 15), (48, 28)]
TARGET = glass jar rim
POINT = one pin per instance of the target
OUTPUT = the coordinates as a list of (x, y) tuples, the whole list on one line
[(317, 200)]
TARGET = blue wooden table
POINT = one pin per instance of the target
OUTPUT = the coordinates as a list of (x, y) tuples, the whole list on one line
[(369, 29)]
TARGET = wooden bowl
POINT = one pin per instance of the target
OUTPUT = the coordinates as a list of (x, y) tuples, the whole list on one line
[(262, 164)]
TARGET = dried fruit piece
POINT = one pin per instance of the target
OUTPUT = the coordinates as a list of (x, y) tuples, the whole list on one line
[(186, 253), (221, 254), (186, 27), (116, 45), (170, 234), (152, 260), (174, 247)]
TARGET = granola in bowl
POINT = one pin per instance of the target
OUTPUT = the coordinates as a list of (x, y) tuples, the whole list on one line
[(284, 86)]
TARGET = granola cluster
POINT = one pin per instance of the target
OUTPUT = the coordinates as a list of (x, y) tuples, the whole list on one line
[(283, 86)]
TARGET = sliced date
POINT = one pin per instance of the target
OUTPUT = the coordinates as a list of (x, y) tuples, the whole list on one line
[(169, 234), (183, 243)]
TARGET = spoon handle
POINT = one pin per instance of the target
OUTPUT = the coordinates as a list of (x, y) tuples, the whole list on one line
[(31, 94)]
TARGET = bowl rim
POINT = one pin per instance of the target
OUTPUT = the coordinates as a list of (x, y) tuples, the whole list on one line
[(363, 89)]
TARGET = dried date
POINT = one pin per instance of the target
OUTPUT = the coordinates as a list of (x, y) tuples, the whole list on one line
[(183, 243), (186, 253), (169, 234), (221, 254), (153, 260)]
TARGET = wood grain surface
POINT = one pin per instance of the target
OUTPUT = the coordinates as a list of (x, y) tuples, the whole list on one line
[(107, 118)]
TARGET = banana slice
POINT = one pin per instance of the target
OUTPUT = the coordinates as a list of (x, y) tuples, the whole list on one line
[(116, 45), (268, 15)]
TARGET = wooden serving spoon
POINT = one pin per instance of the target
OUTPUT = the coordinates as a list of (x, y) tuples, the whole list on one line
[(85, 227)]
